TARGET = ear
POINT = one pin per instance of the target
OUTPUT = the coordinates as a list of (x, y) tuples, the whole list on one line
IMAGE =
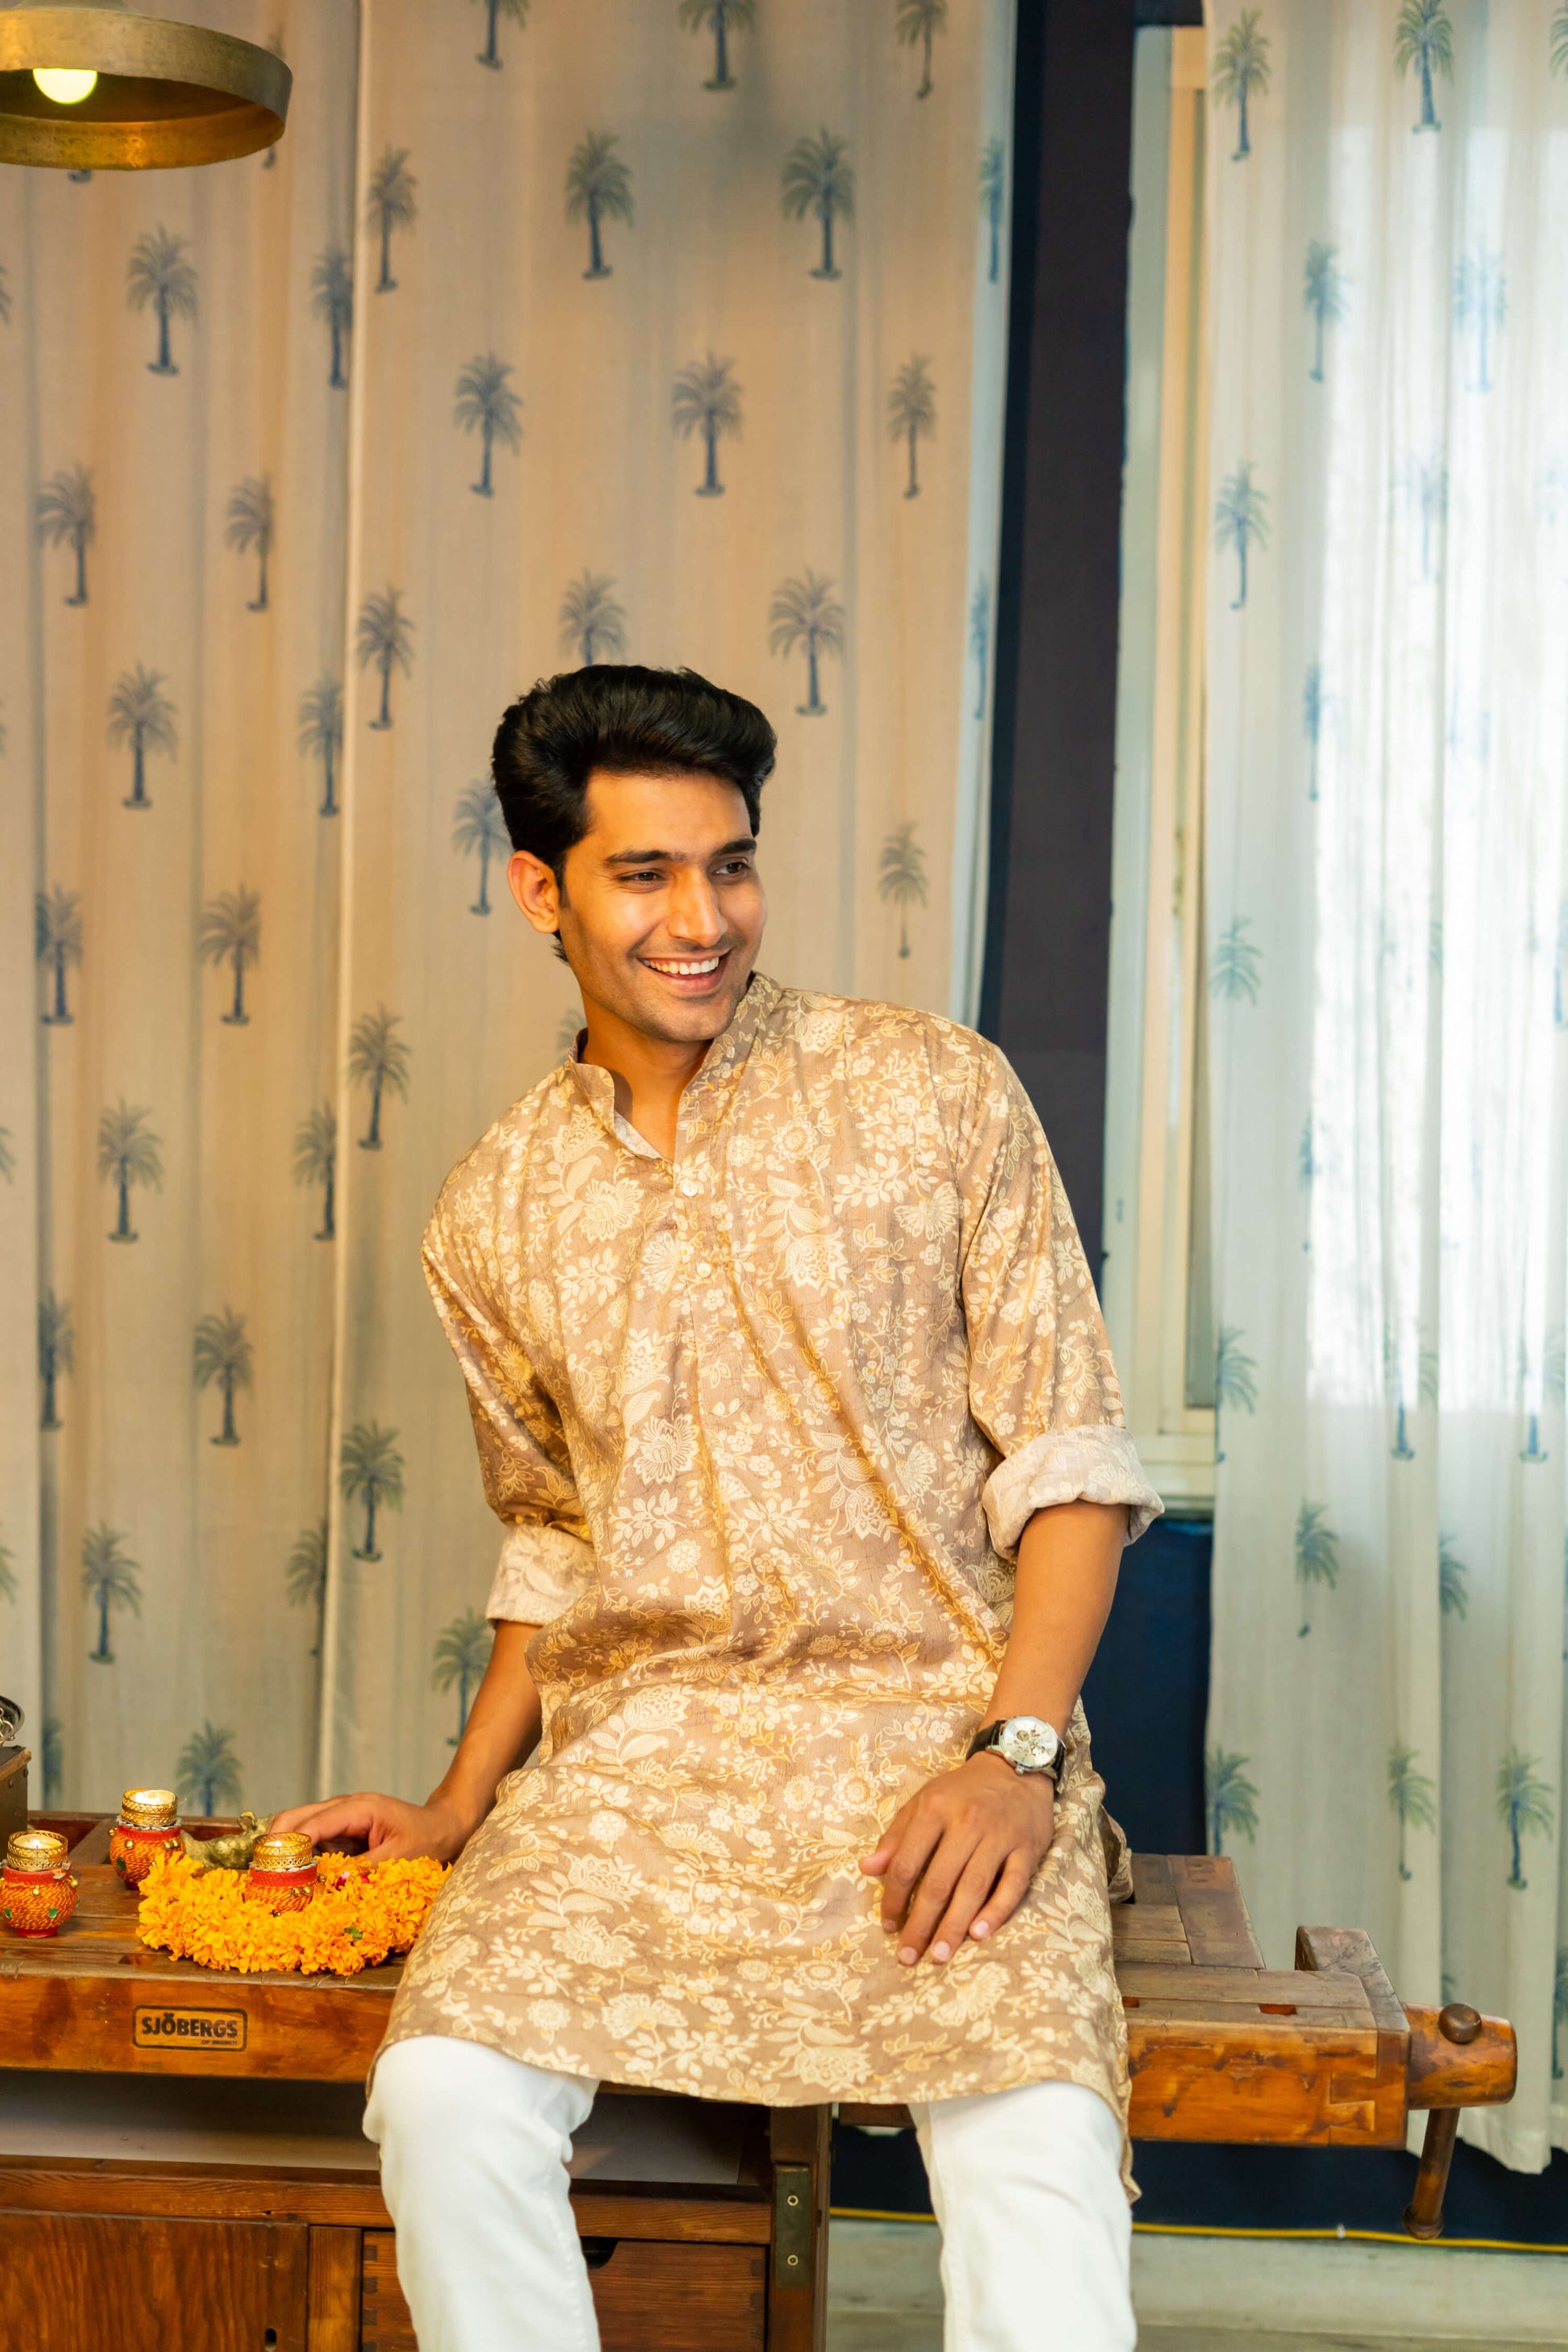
[(533, 885)]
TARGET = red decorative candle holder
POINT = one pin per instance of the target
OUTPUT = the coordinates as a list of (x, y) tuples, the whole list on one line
[(37, 1893), (282, 1873), (148, 1826)]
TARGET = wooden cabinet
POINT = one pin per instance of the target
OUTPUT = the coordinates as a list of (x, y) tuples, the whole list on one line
[(647, 2297), (69, 2281)]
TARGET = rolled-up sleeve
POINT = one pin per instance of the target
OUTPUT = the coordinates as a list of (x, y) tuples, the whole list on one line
[(1042, 1386), (546, 1559)]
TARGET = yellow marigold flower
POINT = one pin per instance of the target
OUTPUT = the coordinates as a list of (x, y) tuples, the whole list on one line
[(358, 1916)]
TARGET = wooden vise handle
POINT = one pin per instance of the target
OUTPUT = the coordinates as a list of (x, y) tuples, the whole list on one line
[(1458, 2059)]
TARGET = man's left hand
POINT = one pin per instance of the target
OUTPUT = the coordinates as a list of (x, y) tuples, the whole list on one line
[(957, 1859)]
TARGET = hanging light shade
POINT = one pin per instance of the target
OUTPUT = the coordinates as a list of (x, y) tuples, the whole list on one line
[(91, 86)]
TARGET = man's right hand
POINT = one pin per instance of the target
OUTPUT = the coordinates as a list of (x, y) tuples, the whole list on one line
[(392, 1829)]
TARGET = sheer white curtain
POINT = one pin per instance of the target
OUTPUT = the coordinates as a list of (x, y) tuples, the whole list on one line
[(1387, 939)]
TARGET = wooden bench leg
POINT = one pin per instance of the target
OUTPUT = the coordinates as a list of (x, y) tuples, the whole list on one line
[(800, 2140)]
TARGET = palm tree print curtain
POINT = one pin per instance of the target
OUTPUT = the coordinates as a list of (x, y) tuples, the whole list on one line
[(1387, 919), (678, 342)]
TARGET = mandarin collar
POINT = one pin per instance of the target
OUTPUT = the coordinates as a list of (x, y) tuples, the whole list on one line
[(723, 1058)]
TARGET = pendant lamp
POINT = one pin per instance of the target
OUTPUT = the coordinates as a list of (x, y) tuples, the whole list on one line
[(91, 86)]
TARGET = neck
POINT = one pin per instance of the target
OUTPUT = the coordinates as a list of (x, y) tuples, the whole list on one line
[(649, 1073)]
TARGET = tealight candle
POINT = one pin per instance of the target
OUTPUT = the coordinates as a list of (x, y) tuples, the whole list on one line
[(148, 1826), (38, 1892), (282, 1873)]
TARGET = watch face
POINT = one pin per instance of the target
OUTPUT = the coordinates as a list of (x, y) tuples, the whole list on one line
[(1028, 1743)]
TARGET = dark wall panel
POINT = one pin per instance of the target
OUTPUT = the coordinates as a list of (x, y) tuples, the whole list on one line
[(1047, 937)]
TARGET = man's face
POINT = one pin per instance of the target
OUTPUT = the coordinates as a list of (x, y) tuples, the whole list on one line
[(661, 910)]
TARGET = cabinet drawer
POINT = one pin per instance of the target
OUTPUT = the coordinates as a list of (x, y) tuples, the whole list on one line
[(650, 2296), (91, 2282)]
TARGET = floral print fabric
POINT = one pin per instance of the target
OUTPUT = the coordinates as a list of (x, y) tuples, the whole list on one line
[(765, 1424)]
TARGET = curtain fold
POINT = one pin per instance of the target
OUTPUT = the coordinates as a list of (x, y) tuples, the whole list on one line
[(1387, 934), (547, 334)]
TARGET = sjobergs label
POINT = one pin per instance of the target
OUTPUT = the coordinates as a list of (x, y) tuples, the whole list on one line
[(211, 2029)]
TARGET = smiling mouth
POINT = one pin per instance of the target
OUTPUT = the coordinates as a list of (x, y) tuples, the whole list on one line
[(691, 969)]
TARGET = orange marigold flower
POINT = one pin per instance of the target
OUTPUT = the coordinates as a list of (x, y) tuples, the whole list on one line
[(358, 1916)]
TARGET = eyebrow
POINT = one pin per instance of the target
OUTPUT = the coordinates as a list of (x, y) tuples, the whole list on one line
[(672, 857)]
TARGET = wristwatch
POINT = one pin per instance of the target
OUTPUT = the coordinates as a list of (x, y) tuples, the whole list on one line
[(1025, 1742)]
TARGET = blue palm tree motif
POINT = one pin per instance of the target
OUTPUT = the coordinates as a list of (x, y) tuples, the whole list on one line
[(57, 1353), (707, 400), (207, 1774), (1235, 973), (1240, 65), (333, 298), (980, 641), (916, 21), (1524, 1806), (316, 1160), (1314, 707), (494, 9), (805, 612), (66, 514), (1317, 1557), (57, 941), (231, 933), (370, 1471), (1325, 297), (992, 195), (461, 1653), (486, 402), (819, 181), (141, 714), (1425, 482), (1235, 1378), (109, 1579), (598, 188), (720, 17), (158, 275), (1560, 40), (1412, 1796), (1480, 303), (321, 733), (1240, 517), (1422, 37), (128, 1155), (306, 1576), (480, 830), (1230, 1798), (384, 640), (1453, 1579), (911, 413), (250, 525), (390, 202), (592, 624), (224, 1358), (379, 1060)]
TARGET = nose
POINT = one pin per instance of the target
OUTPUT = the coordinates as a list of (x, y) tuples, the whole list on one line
[(694, 917)]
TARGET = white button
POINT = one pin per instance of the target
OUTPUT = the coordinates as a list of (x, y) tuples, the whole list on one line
[(691, 1187), (704, 1269)]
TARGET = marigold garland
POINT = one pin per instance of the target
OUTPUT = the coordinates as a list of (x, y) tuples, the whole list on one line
[(356, 1918)]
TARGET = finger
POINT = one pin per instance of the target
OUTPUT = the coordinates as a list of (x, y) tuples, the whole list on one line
[(979, 1878), (921, 1837), (338, 1817), (874, 1864), (1009, 1892), (934, 1892)]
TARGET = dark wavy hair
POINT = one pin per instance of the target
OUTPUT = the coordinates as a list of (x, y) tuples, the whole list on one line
[(630, 722)]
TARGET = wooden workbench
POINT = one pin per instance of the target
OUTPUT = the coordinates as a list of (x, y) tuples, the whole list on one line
[(196, 2132)]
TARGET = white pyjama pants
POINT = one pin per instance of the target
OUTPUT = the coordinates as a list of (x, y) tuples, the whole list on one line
[(1036, 2231)]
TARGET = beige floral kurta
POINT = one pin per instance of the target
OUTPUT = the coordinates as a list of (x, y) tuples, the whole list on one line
[(764, 1426)]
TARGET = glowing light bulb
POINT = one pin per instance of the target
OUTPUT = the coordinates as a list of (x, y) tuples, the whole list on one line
[(66, 85)]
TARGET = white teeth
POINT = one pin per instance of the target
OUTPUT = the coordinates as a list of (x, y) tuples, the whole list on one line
[(709, 963)]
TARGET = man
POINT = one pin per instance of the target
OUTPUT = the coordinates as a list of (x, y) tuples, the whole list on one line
[(791, 1387)]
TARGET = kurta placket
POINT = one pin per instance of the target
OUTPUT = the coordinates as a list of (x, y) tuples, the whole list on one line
[(764, 1423)]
